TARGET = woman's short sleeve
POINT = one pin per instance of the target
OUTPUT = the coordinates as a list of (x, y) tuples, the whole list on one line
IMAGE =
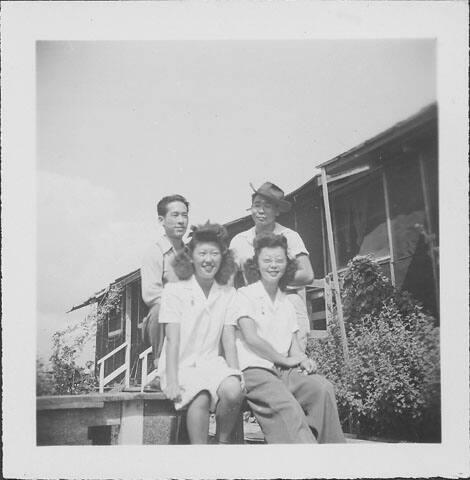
[(240, 306), (171, 310)]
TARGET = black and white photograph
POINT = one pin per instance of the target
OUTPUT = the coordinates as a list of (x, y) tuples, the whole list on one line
[(250, 239)]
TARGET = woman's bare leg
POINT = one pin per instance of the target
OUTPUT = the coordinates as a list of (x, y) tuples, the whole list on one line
[(197, 418), (228, 408)]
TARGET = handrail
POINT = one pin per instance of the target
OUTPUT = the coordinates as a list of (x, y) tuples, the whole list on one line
[(146, 377), (145, 353), (110, 354), (116, 373), (123, 368)]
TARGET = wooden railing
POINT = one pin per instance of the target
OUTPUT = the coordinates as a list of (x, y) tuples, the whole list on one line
[(123, 368), (146, 377)]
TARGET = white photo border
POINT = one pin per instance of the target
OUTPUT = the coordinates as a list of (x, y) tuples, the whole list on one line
[(24, 23)]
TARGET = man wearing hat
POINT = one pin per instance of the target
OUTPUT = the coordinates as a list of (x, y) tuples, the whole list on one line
[(267, 203)]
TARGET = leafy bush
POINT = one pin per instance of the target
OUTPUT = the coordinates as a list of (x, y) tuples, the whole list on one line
[(392, 386), (65, 376), (69, 378), (365, 289), (44, 379)]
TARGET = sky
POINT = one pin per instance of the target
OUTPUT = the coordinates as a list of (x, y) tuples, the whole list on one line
[(121, 124)]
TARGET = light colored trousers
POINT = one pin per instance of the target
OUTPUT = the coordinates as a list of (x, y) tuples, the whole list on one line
[(288, 405)]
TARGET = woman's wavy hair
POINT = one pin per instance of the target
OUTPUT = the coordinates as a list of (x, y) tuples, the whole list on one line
[(209, 232), (270, 240)]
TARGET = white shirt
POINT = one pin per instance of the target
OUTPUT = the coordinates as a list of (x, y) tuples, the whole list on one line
[(242, 244), (275, 322), (201, 319)]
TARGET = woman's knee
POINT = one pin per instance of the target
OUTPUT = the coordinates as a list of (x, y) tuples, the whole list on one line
[(230, 390), (201, 400)]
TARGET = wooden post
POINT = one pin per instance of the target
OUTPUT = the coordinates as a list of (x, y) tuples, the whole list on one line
[(389, 228), (427, 210), (144, 374), (132, 423), (329, 229), (128, 337), (102, 377)]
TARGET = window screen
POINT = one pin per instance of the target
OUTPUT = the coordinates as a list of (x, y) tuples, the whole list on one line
[(413, 265), (359, 221)]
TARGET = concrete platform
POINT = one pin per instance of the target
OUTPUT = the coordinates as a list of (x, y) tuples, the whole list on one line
[(120, 418), (126, 418)]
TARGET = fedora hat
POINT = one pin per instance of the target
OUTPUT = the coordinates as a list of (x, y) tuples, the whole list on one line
[(274, 194)]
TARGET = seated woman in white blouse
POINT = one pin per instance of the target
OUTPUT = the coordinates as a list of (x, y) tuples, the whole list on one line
[(291, 403), (195, 311)]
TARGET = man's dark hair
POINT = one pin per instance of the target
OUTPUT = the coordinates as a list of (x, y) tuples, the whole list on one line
[(163, 203)]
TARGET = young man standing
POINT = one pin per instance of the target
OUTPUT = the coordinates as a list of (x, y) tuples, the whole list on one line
[(267, 203), (157, 269)]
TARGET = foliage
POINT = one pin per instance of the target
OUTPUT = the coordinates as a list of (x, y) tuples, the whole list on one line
[(70, 378), (44, 379), (112, 302), (66, 377), (392, 385), (365, 289)]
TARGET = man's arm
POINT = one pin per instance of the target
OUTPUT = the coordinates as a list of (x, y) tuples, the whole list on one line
[(304, 275), (263, 348), (151, 273), (296, 249)]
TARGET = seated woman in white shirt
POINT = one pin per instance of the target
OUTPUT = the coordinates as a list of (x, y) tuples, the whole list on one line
[(290, 402), (192, 372)]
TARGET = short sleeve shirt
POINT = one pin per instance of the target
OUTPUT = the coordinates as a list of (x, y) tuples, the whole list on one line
[(275, 322), (201, 319), (157, 270), (243, 249)]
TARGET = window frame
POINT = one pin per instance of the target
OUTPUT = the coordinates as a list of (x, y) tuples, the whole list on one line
[(119, 331)]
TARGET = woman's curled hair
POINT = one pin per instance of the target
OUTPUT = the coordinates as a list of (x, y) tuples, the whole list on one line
[(209, 232), (270, 240)]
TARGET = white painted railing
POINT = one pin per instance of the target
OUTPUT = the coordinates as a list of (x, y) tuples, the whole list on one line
[(146, 377), (123, 368)]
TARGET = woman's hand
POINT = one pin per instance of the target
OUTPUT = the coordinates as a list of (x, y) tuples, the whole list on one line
[(309, 366), (294, 360), (173, 392), (242, 385)]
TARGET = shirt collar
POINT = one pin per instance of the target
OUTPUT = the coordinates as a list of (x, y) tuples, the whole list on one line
[(261, 293), (165, 244), (251, 233), (279, 229), (195, 287)]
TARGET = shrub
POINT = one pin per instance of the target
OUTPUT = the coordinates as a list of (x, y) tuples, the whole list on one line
[(365, 289), (391, 387), (65, 376), (44, 379), (68, 377)]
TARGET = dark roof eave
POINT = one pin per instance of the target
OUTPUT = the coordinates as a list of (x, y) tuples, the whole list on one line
[(410, 125), (95, 298), (124, 280)]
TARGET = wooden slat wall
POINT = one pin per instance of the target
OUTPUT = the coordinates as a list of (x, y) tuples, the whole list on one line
[(139, 311), (105, 345)]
